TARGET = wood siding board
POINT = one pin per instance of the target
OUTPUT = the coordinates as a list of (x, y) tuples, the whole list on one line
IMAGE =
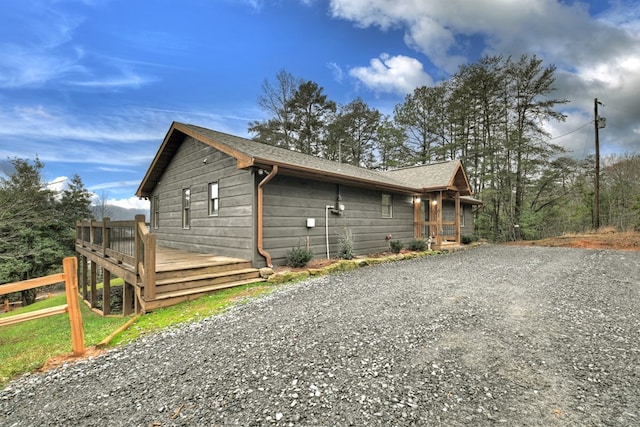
[(231, 231), (289, 201)]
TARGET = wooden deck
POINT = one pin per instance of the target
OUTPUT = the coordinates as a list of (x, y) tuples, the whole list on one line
[(183, 275), (154, 276)]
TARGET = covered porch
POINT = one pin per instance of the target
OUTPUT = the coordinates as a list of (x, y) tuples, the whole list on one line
[(438, 215)]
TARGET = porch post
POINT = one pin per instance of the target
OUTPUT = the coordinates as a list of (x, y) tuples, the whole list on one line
[(457, 217), (439, 219), (417, 217)]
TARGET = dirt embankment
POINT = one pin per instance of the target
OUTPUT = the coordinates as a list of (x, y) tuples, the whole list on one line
[(604, 239)]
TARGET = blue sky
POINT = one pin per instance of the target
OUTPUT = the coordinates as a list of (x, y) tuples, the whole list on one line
[(92, 86)]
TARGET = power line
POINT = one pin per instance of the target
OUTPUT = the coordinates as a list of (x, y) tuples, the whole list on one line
[(569, 133)]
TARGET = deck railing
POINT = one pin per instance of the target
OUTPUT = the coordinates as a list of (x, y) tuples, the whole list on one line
[(113, 239), (123, 242)]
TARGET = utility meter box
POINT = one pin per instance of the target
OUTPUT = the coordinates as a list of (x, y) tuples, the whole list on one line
[(311, 222)]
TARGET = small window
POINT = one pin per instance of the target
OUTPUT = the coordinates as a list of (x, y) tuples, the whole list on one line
[(156, 212), (462, 216), (213, 198), (186, 208), (387, 206)]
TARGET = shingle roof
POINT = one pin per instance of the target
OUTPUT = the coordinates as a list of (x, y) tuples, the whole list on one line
[(251, 153), (427, 176), (263, 153)]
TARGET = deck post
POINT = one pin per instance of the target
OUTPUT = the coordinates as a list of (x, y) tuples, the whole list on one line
[(70, 268), (105, 235), (127, 298), (106, 291), (150, 267), (94, 281), (84, 277), (92, 233)]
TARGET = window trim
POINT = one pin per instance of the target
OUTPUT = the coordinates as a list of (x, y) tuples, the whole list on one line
[(383, 205), (214, 203), (186, 208), (155, 211)]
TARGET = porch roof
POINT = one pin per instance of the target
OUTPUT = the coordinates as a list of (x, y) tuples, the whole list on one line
[(250, 153)]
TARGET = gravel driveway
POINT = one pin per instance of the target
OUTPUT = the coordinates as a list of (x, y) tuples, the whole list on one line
[(495, 334)]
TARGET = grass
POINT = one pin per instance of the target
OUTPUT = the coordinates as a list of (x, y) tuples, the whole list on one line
[(190, 311), (26, 347)]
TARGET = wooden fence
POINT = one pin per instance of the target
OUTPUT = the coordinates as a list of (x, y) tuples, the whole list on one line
[(70, 278)]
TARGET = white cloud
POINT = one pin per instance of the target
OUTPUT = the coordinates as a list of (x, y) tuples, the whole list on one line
[(399, 73), (596, 56), (126, 80), (129, 203), (59, 183), (336, 70)]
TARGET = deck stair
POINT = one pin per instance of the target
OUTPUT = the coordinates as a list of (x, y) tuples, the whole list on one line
[(183, 276)]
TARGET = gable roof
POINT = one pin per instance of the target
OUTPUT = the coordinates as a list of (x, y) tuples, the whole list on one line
[(435, 176), (250, 153)]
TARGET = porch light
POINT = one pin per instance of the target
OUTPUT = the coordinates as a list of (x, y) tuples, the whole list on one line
[(435, 202), (416, 200)]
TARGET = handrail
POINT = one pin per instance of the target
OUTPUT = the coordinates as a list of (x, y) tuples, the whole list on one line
[(145, 257), (70, 279)]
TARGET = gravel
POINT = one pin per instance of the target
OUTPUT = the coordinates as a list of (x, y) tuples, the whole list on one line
[(493, 335)]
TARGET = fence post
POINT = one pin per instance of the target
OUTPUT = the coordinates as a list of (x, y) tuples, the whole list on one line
[(70, 267)]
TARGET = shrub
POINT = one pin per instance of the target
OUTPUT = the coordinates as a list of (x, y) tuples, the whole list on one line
[(417, 245), (298, 257), (396, 246), (468, 239), (346, 244)]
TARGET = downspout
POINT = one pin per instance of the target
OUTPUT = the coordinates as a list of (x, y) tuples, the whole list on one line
[(261, 251)]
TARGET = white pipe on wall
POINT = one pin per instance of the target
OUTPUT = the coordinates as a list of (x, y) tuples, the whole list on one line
[(326, 227)]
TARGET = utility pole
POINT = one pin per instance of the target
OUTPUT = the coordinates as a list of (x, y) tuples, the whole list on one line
[(598, 123)]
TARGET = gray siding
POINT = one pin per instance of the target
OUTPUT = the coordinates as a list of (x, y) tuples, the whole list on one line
[(231, 233), (290, 201)]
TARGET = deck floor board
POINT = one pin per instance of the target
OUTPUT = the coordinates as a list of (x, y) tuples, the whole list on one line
[(169, 259)]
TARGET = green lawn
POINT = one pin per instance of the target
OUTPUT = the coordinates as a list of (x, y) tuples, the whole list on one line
[(25, 347)]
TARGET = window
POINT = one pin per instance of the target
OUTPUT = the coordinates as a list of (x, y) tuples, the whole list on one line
[(156, 212), (387, 206), (213, 198), (462, 216), (186, 208)]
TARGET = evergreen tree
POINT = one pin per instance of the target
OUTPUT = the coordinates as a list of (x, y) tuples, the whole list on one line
[(30, 226), (311, 113), (75, 205), (355, 128)]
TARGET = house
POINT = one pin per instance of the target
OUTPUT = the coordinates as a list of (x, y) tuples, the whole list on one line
[(215, 193)]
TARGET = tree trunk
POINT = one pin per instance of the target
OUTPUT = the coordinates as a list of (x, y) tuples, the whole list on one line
[(28, 297)]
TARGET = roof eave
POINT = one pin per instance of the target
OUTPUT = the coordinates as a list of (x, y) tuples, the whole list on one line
[(303, 172)]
